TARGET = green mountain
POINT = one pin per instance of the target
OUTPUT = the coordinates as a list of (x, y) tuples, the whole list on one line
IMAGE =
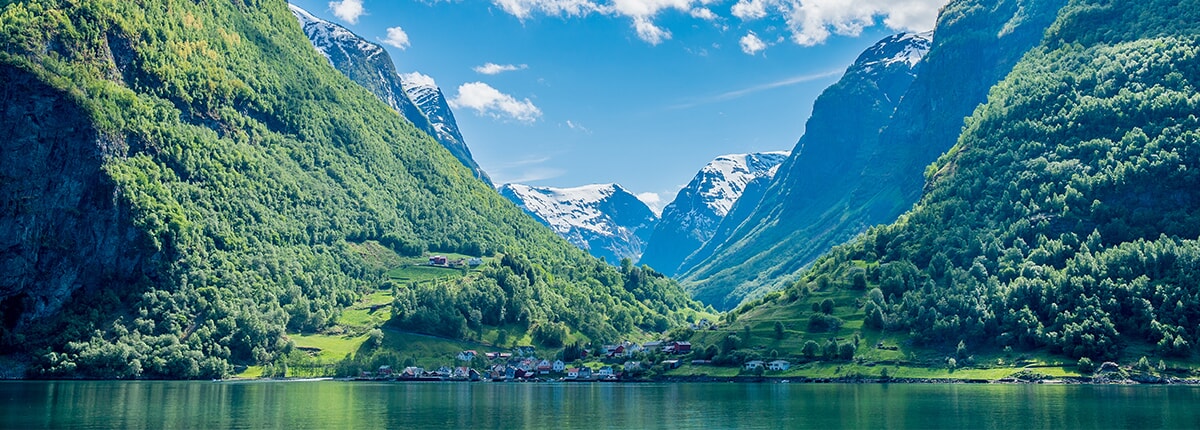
[(185, 182), (869, 139), (1065, 218)]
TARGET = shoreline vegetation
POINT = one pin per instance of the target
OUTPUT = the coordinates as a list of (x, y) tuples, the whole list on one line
[(746, 379)]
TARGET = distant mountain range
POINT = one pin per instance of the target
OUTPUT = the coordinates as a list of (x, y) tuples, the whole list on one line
[(414, 95), (610, 222), (699, 208), (605, 219)]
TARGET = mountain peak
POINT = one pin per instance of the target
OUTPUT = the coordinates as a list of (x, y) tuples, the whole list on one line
[(722, 181), (704, 204), (605, 219), (905, 49)]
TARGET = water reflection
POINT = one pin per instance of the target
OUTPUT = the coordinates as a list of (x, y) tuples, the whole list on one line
[(318, 405)]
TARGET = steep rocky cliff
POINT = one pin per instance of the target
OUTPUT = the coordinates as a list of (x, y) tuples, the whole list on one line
[(62, 226)]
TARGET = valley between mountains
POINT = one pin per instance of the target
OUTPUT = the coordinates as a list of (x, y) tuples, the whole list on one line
[(200, 190)]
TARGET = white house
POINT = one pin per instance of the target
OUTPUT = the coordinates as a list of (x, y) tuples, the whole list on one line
[(604, 371), (755, 364), (573, 373), (467, 355), (779, 365), (559, 366)]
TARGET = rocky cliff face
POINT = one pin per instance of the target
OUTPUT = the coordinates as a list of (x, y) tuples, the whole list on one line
[(61, 227)]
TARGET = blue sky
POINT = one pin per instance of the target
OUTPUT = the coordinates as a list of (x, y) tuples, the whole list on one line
[(639, 92)]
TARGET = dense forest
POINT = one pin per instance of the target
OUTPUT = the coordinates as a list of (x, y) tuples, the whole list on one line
[(256, 183), (1067, 215)]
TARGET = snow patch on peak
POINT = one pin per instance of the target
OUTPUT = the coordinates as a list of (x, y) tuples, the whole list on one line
[(606, 219), (326, 35), (916, 45), (722, 182), (568, 208), (907, 49)]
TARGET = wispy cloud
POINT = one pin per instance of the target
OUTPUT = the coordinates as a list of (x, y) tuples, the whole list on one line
[(396, 37), (496, 69), (485, 100), (347, 10), (526, 176), (577, 127), (730, 95)]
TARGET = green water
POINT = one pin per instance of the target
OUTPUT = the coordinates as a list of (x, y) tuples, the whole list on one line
[(354, 405)]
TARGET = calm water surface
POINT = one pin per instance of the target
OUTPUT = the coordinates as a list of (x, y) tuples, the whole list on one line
[(353, 405)]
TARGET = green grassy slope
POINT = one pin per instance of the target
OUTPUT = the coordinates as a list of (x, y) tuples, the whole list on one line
[(253, 178), (1066, 219)]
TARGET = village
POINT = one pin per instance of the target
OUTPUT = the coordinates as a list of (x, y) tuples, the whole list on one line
[(626, 361)]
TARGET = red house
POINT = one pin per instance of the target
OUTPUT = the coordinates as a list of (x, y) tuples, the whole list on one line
[(437, 260), (682, 347)]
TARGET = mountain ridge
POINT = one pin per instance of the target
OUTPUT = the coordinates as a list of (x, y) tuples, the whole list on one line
[(415, 96), (606, 220), (692, 218)]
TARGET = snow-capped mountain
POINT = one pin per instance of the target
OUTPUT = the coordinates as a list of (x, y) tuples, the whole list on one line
[(693, 217), (369, 65), (605, 219)]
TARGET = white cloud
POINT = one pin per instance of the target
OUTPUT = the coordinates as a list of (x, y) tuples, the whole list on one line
[(525, 8), (496, 69), (396, 37), (703, 13), (750, 9), (417, 79), (649, 32), (654, 201), (807, 22), (751, 44), (347, 10), (485, 100), (811, 22)]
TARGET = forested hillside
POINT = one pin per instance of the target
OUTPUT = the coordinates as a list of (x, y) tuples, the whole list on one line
[(1068, 213), (185, 182)]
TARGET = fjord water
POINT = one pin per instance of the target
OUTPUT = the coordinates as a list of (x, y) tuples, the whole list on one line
[(329, 404)]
